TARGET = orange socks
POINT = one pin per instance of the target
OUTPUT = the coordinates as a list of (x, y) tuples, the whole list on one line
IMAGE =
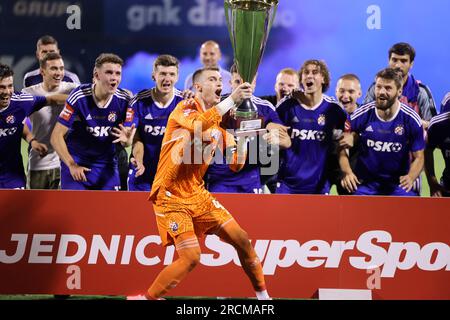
[(189, 256)]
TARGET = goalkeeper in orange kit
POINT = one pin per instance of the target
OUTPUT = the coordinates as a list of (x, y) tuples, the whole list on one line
[(184, 209)]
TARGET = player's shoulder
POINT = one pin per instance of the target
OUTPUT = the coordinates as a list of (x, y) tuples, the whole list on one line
[(67, 87), (34, 89), (80, 93), (142, 95), (178, 94), (32, 73), (446, 99), (263, 103), (71, 76), (363, 110), (286, 103), (440, 120), (410, 114), (333, 103), (123, 94), (21, 96)]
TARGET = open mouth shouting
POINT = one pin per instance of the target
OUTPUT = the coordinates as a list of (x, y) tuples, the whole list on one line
[(218, 93), (309, 84)]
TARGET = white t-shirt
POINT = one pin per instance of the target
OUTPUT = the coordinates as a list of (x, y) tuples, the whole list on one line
[(43, 122)]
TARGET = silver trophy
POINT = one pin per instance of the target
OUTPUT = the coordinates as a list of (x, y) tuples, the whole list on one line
[(249, 23)]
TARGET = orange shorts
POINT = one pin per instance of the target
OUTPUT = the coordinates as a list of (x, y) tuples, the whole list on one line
[(174, 218)]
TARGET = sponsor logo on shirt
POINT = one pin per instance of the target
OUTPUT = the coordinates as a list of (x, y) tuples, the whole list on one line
[(149, 116), (89, 117), (67, 112), (382, 146), (308, 134), (99, 131), (369, 129), (155, 130), (7, 132)]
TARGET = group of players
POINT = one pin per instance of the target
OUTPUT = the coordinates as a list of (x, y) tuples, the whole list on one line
[(79, 132)]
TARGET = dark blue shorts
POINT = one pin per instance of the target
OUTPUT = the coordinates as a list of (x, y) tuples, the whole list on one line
[(99, 178)]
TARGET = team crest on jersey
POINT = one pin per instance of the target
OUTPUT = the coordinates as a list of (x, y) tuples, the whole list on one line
[(321, 120), (399, 130), (112, 117), (10, 119), (173, 226)]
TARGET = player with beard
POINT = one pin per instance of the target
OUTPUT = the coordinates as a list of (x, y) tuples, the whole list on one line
[(414, 93), (388, 131), (89, 126)]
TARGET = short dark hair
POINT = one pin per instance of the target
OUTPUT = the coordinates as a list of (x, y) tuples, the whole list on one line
[(166, 60), (323, 71), (199, 72), (403, 48), (5, 71), (350, 76), (391, 74), (108, 58), (45, 40), (48, 57)]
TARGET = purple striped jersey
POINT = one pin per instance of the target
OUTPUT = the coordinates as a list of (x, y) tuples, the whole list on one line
[(386, 145), (89, 140), (312, 131), (11, 128), (150, 118)]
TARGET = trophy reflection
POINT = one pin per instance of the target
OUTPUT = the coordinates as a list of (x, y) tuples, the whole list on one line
[(249, 23)]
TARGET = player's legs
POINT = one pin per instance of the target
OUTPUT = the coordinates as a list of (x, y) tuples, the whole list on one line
[(367, 189), (104, 178), (44, 179), (67, 182), (141, 183), (13, 180), (282, 188), (233, 234), (188, 250)]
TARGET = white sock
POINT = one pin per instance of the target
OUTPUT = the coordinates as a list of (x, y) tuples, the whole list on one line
[(262, 295)]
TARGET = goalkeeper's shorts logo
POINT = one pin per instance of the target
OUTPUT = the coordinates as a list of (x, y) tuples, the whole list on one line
[(173, 226)]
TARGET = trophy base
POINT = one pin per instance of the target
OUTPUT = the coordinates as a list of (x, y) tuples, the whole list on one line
[(249, 133)]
